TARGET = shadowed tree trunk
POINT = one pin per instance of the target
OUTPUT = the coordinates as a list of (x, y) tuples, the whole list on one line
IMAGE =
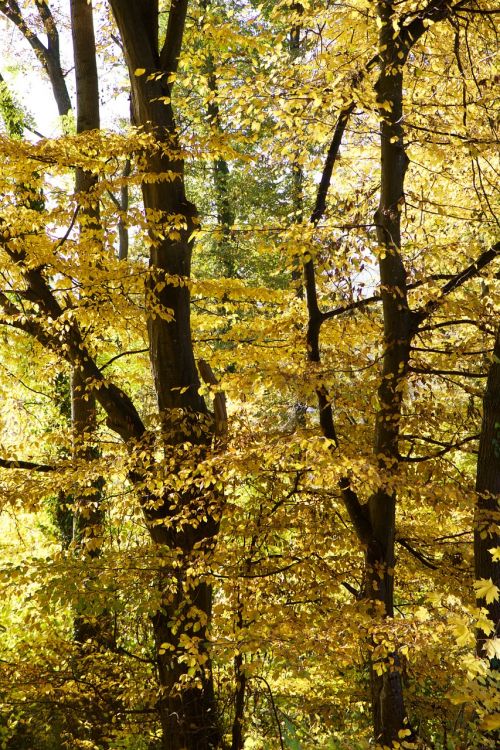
[(389, 714), (486, 534), (185, 522), (87, 522), (487, 520), (89, 633), (221, 174)]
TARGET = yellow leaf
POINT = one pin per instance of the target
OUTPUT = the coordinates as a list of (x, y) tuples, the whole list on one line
[(495, 553), (486, 589), (492, 648), (484, 623), (139, 71), (462, 633), (490, 722)]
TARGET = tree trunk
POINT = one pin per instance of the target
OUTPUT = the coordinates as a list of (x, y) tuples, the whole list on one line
[(389, 714), (487, 521), (184, 521), (89, 632), (87, 515), (295, 43), (221, 174)]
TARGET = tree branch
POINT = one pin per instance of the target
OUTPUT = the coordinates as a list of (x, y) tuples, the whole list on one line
[(123, 354), (48, 56), (7, 463), (123, 417), (461, 373), (436, 10), (419, 556), (220, 411), (49, 25), (447, 449), (350, 589), (357, 513), (331, 157), (457, 281), (171, 50)]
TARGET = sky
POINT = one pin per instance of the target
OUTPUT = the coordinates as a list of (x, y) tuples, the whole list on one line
[(30, 86)]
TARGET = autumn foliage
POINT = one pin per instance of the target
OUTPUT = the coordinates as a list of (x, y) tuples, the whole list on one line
[(250, 375)]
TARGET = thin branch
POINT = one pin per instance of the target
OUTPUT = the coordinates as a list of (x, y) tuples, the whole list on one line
[(480, 12), (426, 439), (331, 157), (447, 323), (6, 463), (350, 589), (122, 354), (418, 555), (461, 373), (450, 352), (351, 306), (452, 536), (273, 705), (458, 280), (71, 225), (122, 650)]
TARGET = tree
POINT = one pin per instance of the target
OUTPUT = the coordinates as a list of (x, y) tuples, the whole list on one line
[(275, 547)]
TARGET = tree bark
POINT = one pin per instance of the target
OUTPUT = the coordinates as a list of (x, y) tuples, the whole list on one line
[(186, 522), (87, 516), (389, 714), (221, 174), (487, 521)]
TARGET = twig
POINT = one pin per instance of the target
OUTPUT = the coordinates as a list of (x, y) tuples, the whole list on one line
[(71, 225), (416, 553), (122, 354), (273, 705)]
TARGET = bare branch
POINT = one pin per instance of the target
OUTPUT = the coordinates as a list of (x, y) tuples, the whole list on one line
[(7, 463), (419, 556), (458, 280), (122, 354)]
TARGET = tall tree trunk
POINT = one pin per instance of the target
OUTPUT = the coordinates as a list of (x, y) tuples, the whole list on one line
[(389, 714), (123, 238), (221, 174), (87, 515), (295, 43), (87, 108), (487, 522), (184, 521)]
